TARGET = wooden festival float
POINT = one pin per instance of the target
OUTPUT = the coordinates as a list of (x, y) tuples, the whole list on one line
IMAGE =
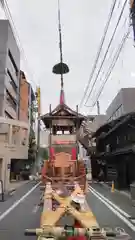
[(65, 212)]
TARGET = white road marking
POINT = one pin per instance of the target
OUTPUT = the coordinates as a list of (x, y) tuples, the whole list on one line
[(12, 193), (3, 215), (125, 220), (35, 209), (112, 204)]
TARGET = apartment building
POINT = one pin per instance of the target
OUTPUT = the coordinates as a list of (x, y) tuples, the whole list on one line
[(9, 72), (27, 101), (14, 134), (122, 104)]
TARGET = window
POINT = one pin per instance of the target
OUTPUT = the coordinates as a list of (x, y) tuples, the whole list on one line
[(117, 113), (108, 148), (11, 80), (117, 140), (7, 115), (12, 62), (10, 100)]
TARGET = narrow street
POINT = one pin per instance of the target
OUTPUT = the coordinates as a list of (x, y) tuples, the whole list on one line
[(23, 213), (107, 213)]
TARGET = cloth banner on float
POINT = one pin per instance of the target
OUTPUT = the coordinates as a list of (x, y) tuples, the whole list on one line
[(73, 154), (52, 154)]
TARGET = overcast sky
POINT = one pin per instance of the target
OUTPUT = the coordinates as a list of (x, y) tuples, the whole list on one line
[(83, 22)]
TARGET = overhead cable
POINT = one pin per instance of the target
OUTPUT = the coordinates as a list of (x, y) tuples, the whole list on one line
[(104, 58), (115, 59), (111, 55), (100, 48)]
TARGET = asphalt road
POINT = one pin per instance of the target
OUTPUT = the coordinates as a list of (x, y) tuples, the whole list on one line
[(107, 216), (25, 214)]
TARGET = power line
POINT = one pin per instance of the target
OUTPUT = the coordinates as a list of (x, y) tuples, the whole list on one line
[(107, 50), (100, 48), (113, 51), (115, 59)]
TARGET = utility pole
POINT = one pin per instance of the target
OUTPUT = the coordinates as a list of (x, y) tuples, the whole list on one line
[(38, 125), (132, 16), (98, 108)]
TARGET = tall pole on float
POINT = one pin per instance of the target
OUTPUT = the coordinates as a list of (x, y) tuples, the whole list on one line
[(60, 68), (60, 44)]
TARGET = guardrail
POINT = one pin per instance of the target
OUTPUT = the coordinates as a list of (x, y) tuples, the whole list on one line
[(1, 191)]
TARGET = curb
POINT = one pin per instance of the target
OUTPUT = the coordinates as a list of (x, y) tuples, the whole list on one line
[(116, 190), (10, 192), (13, 190)]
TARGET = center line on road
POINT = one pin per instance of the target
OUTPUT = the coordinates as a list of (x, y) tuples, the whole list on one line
[(118, 214), (111, 203), (2, 216)]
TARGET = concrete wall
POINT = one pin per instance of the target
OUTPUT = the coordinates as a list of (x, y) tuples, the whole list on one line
[(12, 46), (123, 103), (8, 44), (115, 104), (128, 100), (95, 121), (3, 58), (44, 135), (24, 97)]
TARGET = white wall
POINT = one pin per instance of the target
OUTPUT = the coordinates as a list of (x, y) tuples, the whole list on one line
[(44, 138)]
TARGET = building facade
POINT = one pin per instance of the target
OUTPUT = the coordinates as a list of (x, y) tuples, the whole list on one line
[(88, 127), (95, 121), (27, 101), (122, 104), (14, 131), (9, 72), (13, 146), (115, 151), (24, 98)]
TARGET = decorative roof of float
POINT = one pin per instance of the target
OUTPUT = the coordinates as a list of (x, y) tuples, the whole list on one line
[(62, 111)]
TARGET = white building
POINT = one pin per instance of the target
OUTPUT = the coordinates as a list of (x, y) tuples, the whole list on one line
[(14, 137)]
